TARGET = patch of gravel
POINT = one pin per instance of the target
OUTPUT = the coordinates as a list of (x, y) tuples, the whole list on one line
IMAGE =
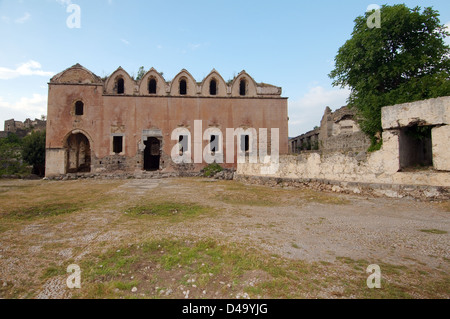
[(55, 288)]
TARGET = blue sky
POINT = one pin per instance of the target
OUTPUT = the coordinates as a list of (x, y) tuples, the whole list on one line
[(291, 44)]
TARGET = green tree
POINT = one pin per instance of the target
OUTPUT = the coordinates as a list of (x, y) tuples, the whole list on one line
[(11, 162), (140, 73), (34, 151), (403, 61)]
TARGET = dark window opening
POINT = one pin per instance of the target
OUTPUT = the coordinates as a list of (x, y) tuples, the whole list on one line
[(183, 143), (152, 86), (152, 154), (79, 108), (415, 146), (183, 87), (117, 144), (245, 143), (120, 86), (243, 87), (213, 87), (214, 143)]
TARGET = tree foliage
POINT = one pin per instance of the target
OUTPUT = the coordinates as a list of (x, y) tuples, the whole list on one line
[(11, 162), (33, 151), (403, 61), (140, 73)]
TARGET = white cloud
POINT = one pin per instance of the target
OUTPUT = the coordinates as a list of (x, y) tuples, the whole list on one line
[(23, 19), (32, 107), (25, 69), (306, 113), (125, 41)]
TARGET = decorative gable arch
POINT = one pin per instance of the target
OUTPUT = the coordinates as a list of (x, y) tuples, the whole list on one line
[(161, 84), (111, 85), (221, 86), (191, 84), (244, 81), (76, 74)]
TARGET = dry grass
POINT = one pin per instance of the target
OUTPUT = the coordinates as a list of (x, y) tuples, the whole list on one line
[(124, 239)]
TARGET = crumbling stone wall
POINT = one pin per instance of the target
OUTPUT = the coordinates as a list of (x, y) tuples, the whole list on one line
[(384, 167), (338, 132)]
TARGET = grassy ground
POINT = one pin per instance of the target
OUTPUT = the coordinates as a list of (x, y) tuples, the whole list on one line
[(140, 241)]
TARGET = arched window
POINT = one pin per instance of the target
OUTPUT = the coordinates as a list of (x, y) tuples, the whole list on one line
[(152, 86), (183, 87), (213, 87), (243, 87), (120, 86), (79, 108)]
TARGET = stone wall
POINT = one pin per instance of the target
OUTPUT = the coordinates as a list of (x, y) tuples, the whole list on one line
[(382, 171), (338, 131)]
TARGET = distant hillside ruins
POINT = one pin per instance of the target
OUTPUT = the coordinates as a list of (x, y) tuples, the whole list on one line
[(21, 129)]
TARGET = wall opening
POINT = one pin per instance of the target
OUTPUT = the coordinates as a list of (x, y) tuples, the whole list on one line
[(213, 87), (183, 87), (214, 144), (243, 87), (117, 144), (415, 147), (152, 154), (152, 86), (79, 108), (183, 144), (120, 86), (78, 154), (245, 143)]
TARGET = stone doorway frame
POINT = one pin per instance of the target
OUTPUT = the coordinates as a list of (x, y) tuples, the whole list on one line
[(155, 133)]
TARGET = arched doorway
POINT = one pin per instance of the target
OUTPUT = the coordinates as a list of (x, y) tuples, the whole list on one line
[(78, 154), (152, 154)]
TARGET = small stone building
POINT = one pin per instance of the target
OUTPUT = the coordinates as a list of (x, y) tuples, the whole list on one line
[(431, 148), (118, 124)]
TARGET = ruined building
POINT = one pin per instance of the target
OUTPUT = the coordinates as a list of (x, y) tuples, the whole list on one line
[(338, 132), (22, 129), (119, 124)]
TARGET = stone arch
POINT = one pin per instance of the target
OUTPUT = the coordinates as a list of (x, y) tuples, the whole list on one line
[(250, 85), (161, 84), (221, 85), (191, 84), (78, 148), (76, 74), (112, 81)]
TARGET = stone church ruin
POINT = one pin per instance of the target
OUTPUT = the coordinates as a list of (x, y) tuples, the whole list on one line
[(117, 124)]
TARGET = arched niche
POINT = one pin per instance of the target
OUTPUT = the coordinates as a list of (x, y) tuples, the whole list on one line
[(161, 84), (78, 153), (113, 81), (221, 86), (249, 86), (191, 84)]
